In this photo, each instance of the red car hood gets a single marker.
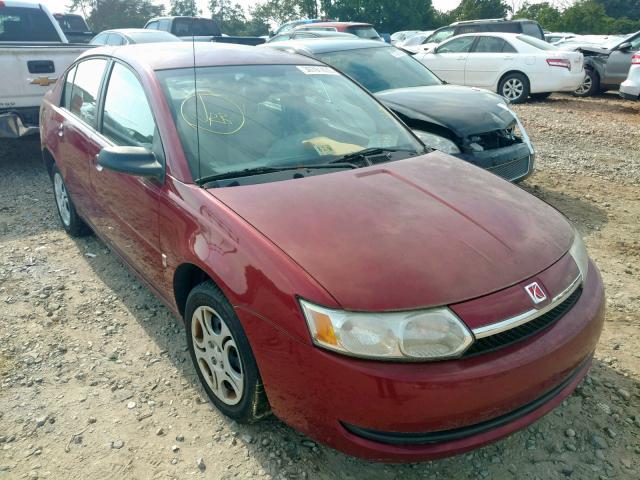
(425, 231)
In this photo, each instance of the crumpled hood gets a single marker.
(463, 110)
(425, 231)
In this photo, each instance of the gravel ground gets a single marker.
(95, 380)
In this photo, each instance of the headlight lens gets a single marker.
(437, 142)
(431, 334)
(579, 253)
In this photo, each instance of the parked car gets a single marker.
(630, 88)
(523, 26)
(392, 303)
(75, 27)
(299, 34)
(554, 37)
(412, 44)
(35, 51)
(514, 65)
(607, 67)
(488, 134)
(128, 36)
(403, 35)
(362, 30)
(286, 27)
(198, 29)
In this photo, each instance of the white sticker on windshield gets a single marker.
(398, 53)
(316, 70)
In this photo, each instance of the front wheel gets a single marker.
(222, 356)
(514, 87)
(589, 85)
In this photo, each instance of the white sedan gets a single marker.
(514, 65)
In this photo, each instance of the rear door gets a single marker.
(449, 60)
(128, 216)
(487, 60)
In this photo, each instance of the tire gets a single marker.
(590, 85)
(514, 87)
(541, 96)
(71, 221)
(222, 356)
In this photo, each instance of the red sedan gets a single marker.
(393, 303)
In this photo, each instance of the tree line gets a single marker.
(582, 17)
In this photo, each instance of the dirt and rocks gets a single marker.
(95, 379)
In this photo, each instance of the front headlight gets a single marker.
(432, 334)
(437, 142)
(579, 253)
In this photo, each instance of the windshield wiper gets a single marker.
(248, 172)
(368, 152)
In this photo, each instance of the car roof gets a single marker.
(511, 36)
(169, 55)
(130, 30)
(315, 46)
(339, 24)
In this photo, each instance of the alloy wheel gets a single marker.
(513, 89)
(585, 86)
(62, 199)
(217, 355)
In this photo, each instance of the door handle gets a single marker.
(61, 130)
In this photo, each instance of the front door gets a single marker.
(449, 60)
(129, 204)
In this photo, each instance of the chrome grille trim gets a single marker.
(509, 323)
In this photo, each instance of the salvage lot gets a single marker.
(95, 379)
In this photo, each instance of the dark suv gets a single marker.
(526, 27)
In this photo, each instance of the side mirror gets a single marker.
(130, 160)
(624, 46)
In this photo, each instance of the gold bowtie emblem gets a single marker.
(43, 81)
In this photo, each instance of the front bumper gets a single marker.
(513, 163)
(19, 122)
(333, 398)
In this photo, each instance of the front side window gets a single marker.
(127, 119)
(381, 68)
(255, 116)
(84, 93)
(457, 45)
(440, 35)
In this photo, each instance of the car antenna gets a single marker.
(195, 89)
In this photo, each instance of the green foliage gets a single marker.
(183, 8)
(107, 14)
(385, 15)
(478, 9)
(583, 17)
(233, 21)
(621, 8)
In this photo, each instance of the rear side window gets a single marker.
(127, 118)
(471, 29)
(84, 93)
(19, 24)
(100, 39)
(505, 27)
(457, 45)
(68, 86)
(492, 45)
(532, 29)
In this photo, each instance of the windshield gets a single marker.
(199, 27)
(363, 32)
(254, 116)
(534, 42)
(72, 23)
(381, 68)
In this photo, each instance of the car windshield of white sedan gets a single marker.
(235, 118)
(381, 68)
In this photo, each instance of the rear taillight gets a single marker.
(559, 62)
(635, 60)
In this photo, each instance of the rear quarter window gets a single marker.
(532, 29)
(26, 25)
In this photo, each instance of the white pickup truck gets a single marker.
(33, 53)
